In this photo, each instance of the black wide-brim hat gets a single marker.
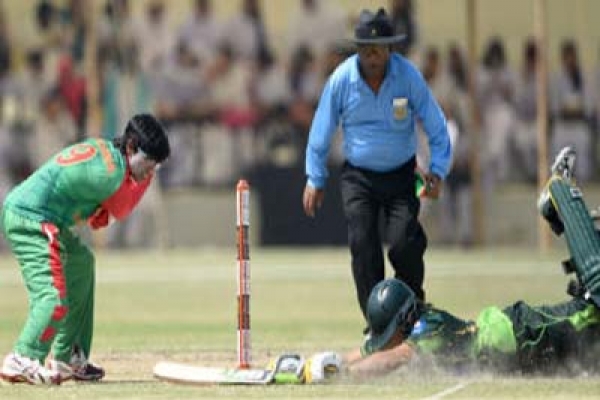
(375, 29)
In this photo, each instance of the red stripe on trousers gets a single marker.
(59, 313)
(56, 267)
(58, 278)
(48, 334)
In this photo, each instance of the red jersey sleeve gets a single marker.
(127, 196)
(99, 219)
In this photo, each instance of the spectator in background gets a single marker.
(184, 100)
(124, 90)
(70, 55)
(495, 95)
(570, 110)
(5, 52)
(74, 29)
(201, 31)
(231, 87)
(403, 20)
(72, 87)
(17, 161)
(116, 38)
(54, 129)
(33, 83)
(245, 32)
(48, 38)
(318, 26)
(14, 145)
(525, 129)
(46, 21)
(154, 40)
(456, 201)
(457, 68)
(444, 91)
(6, 177)
(184, 93)
(306, 83)
(270, 91)
(595, 105)
(277, 142)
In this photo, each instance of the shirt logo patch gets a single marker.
(419, 328)
(400, 106)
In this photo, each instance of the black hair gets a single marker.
(568, 48)
(495, 56)
(147, 134)
(44, 13)
(530, 50)
(457, 66)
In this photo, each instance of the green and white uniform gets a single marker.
(57, 268)
(520, 336)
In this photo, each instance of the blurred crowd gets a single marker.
(233, 103)
(507, 100)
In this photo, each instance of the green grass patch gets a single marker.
(181, 306)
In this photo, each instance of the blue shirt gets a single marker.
(379, 129)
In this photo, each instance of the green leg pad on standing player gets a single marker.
(580, 232)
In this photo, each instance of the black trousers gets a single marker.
(366, 195)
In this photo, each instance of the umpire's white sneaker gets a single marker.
(21, 369)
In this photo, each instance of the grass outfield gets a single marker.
(180, 306)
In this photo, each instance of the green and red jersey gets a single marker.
(76, 184)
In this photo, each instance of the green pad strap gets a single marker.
(585, 318)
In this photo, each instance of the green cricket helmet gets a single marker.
(392, 305)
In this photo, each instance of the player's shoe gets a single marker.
(21, 369)
(63, 369)
(564, 163)
(83, 369)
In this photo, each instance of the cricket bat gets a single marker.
(195, 375)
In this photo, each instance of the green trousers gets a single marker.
(58, 271)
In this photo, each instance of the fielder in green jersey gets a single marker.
(90, 182)
(543, 339)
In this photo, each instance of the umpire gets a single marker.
(377, 96)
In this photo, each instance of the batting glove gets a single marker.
(289, 369)
(322, 366)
